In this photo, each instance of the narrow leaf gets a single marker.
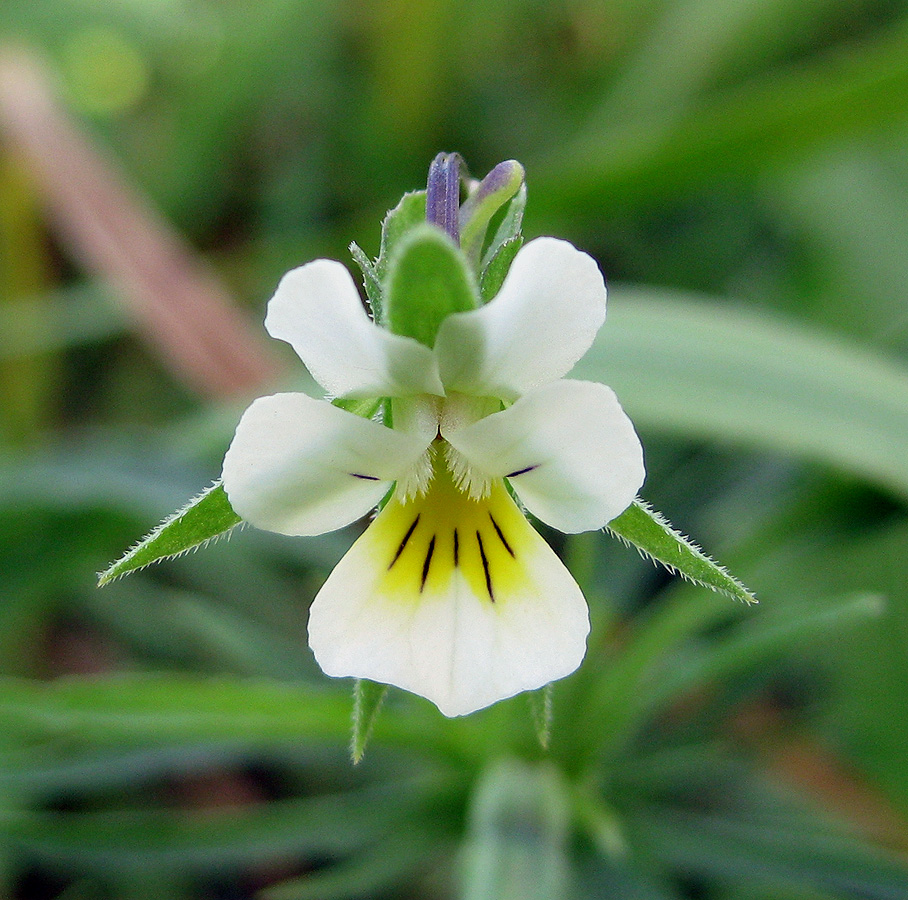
(652, 535)
(203, 519)
(367, 700)
(56, 320)
(774, 853)
(755, 642)
(712, 370)
(735, 134)
(362, 874)
(157, 710)
(366, 407)
(166, 840)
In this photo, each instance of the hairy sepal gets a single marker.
(368, 697)
(203, 519)
(651, 533)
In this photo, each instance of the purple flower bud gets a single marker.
(443, 194)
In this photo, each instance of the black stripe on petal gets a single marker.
(426, 564)
(403, 543)
(502, 538)
(485, 567)
(521, 471)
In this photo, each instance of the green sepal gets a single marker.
(371, 281)
(428, 279)
(367, 700)
(203, 519)
(366, 407)
(651, 533)
(485, 200)
(509, 226)
(541, 710)
(494, 274)
(409, 212)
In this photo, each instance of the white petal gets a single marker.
(303, 466)
(569, 450)
(318, 311)
(459, 601)
(541, 322)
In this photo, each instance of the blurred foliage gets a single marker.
(740, 169)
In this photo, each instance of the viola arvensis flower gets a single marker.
(449, 593)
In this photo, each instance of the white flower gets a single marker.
(450, 593)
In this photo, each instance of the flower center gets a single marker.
(422, 542)
(441, 460)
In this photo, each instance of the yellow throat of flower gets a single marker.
(423, 543)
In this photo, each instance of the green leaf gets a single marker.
(367, 700)
(166, 709)
(203, 519)
(496, 271)
(517, 836)
(755, 641)
(651, 533)
(774, 852)
(428, 279)
(709, 370)
(206, 841)
(365, 874)
(607, 704)
(733, 135)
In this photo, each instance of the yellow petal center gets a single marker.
(421, 543)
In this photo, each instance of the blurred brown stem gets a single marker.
(179, 305)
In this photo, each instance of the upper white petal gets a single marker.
(302, 466)
(569, 450)
(318, 311)
(542, 321)
(443, 637)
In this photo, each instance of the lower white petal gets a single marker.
(302, 466)
(568, 449)
(457, 600)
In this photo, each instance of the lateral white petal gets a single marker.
(453, 616)
(302, 466)
(318, 311)
(542, 321)
(568, 449)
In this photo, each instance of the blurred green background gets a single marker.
(740, 170)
